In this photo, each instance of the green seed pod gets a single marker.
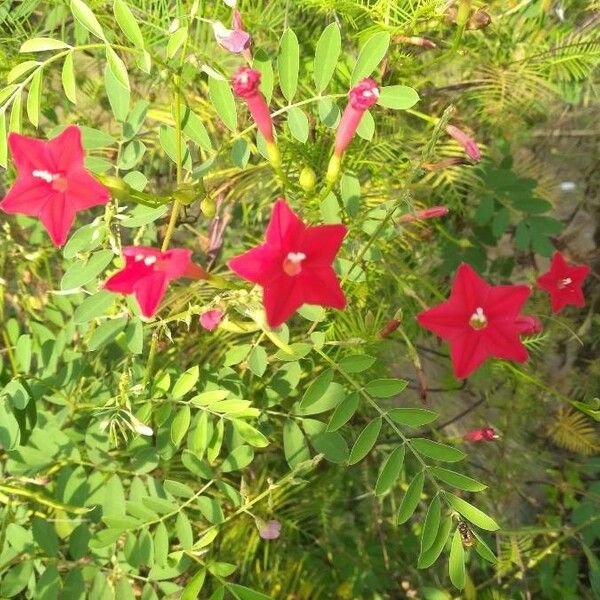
(208, 207)
(307, 179)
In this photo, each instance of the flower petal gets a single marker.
(27, 196)
(66, 150)
(322, 243)
(259, 265)
(285, 228)
(321, 286)
(505, 301)
(469, 289)
(30, 154)
(149, 291)
(176, 262)
(504, 342)
(57, 216)
(125, 280)
(282, 298)
(468, 352)
(447, 320)
(85, 191)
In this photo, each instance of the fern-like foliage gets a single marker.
(574, 432)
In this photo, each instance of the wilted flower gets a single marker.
(429, 213)
(479, 435)
(52, 183)
(479, 321)
(466, 141)
(563, 282)
(211, 318)
(269, 530)
(294, 265)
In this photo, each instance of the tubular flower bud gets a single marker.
(307, 179)
(245, 85)
(466, 141)
(486, 434)
(429, 213)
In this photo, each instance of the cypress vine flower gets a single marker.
(563, 282)
(52, 183)
(294, 265)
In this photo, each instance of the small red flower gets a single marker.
(210, 319)
(479, 435)
(245, 85)
(563, 282)
(479, 321)
(52, 183)
(293, 265)
(148, 271)
(361, 98)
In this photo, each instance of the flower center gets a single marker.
(563, 283)
(478, 320)
(292, 265)
(147, 260)
(58, 182)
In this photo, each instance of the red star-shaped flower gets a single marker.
(479, 321)
(293, 265)
(563, 282)
(52, 183)
(147, 273)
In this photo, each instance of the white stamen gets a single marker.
(296, 257)
(45, 175)
(243, 78)
(149, 260)
(478, 319)
(138, 257)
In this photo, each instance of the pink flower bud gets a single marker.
(479, 435)
(210, 319)
(466, 141)
(269, 530)
(429, 213)
(362, 97)
(528, 325)
(245, 85)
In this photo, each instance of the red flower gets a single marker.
(479, 321)
(293, 265)
(479, 435)
(52, 183)
(148, 271)
(563, 282)
(245, 85)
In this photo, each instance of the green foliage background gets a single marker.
(320, 424)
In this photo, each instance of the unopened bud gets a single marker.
(117, 187)
(208, 207)
(307, 179)
(333, 170)
(273, 154)
(185, 195)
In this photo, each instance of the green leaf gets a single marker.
(250, 434)
(295, 447)
(195, 130)
(194, 586)
(500, 222)
(128, 23)
(484, 550)
(365, 441)
(329, 443)
(436, 450)
(3, 142)
(262, 63)
(431, 524)
(118, 95)
(244, 593)
(16, 578)
(185, 382)
(211, 510)
(330, 399)
(222, 99)
(298, 123)
(236, 355)
(131, 154)
(82, 12)
(161, 545)
(471, 513)
(176, 41)
(344, 412)
(49, 584)
(258, 361)
(106, 333)
(167, 137)
(288, 64)
(370, 56)
(357, 363)
(457, 480)
(390, 470)
(385, 388)
(180, 424)
(135, 119)
(317, 388)
(21, 69)
(456, 562)
(183, 529)
(327, 54)
(427, 558)
(82, 273)
(23, 353)
(411, 499)
(329, 112)
(45, 536)
(350, 191)
(366, 127)
(94, 306)
(15, 121)
(413, 417)
(118, 68)
(42, 45)
(399, 97)
(239, 458)
(68, 79)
